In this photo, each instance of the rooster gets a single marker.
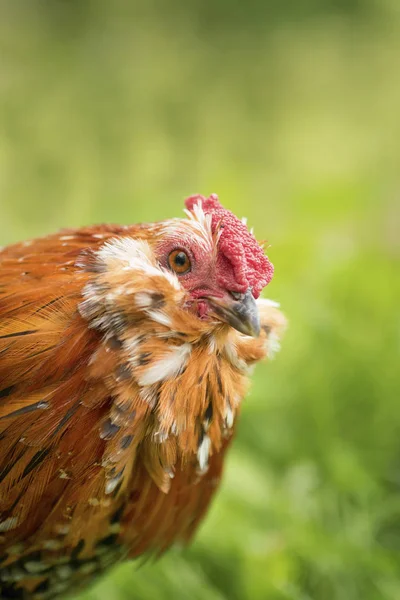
(124, 357)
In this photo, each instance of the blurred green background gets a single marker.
(117, 110)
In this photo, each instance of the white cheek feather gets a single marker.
(160, 317)
(148, 269)
(126, 250)
(143, 299)
(136, 255)
(171, 278)
(169, 366)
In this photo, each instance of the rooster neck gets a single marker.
(176, 381)
(173, 400)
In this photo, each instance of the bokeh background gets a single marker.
(117, 110)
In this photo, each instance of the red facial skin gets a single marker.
(202, 279)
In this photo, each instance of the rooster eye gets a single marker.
(179, 262)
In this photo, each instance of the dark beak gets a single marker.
(240, 311)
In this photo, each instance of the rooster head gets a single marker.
(208, 266)
(218, 261)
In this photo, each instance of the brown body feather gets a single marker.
(101, 457)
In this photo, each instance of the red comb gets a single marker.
(250, 265)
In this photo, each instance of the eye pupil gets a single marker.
(180, 259)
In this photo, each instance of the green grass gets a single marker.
(290, 111)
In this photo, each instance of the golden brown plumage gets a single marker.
(120, 385)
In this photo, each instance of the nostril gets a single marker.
(237, 295)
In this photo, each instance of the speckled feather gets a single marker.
(117, 404)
